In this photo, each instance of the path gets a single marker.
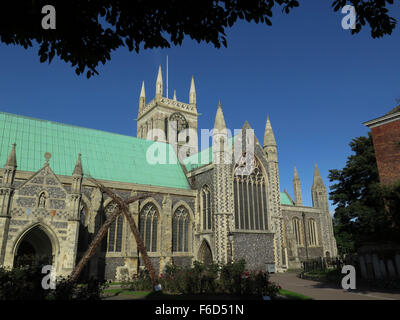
(322, 291)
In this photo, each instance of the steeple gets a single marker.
(159, 84)
(318, 191)
(219, 123)
(142, 99)
(269, 138)
(317, 182)
(174, 95)
(12, 158)
(192, 92)
(78, 167)
(297, 188)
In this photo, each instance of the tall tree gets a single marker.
(87, 31)
(360, 215)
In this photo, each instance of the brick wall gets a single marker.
(386, 140)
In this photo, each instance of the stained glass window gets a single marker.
(148, 226)
(249, 193)
(180, 230)
(114, 236)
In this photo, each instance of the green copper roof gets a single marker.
(285, 199)
(105, 155)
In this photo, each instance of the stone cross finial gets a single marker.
(47, 156)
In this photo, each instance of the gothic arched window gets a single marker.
(180, 230)
(114, 236)
(148, 226)
(312, 229)
(297, 230)
(249, 195)
(206, 207)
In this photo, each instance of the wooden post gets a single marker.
(99, 237)
(125, 210)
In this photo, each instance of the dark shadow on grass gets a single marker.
(166, 296)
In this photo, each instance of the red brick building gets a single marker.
(386, 137)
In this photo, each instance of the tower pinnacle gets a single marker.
(78, 167)
(142, 98)
(317, 182)
(297, 188)
(12, 158)
(192, 92)
(219, 119)
(269, 138)
(159, 84)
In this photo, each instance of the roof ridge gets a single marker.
(74, 126)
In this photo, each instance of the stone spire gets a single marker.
(12, 158)
(9, 169)
(77, 177)
(269, 138)
(317, 182)
(78, 171)
(142, 99)
(159, 84)
(318, 191)
(174, 95)
(219, 119)
(192, 92)
(297, 188)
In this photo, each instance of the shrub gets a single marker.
(25, 283)
(232, 278)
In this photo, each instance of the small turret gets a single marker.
(270, 148)
(319, 194)
(220, 136)
(297, 188)
(77, 176)
(142, 99)
(159, 84)
(192, 92)
(10, 167)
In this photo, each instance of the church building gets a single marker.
(202, 208)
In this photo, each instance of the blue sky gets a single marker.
(316, 81)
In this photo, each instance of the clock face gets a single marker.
(178, 122)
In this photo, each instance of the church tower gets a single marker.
(271, 154)
(223, 190)
(168, 120)
(320, 200)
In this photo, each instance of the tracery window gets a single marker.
(312, 228)
(249, 195)
(148, 226)
(206, 207)
(114, 236)
(297, 230)
(180, 230)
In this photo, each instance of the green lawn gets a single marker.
(125, 291)
(162, 295)
(294, 295)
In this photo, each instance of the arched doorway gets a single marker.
(34, 249)
(205, 254)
